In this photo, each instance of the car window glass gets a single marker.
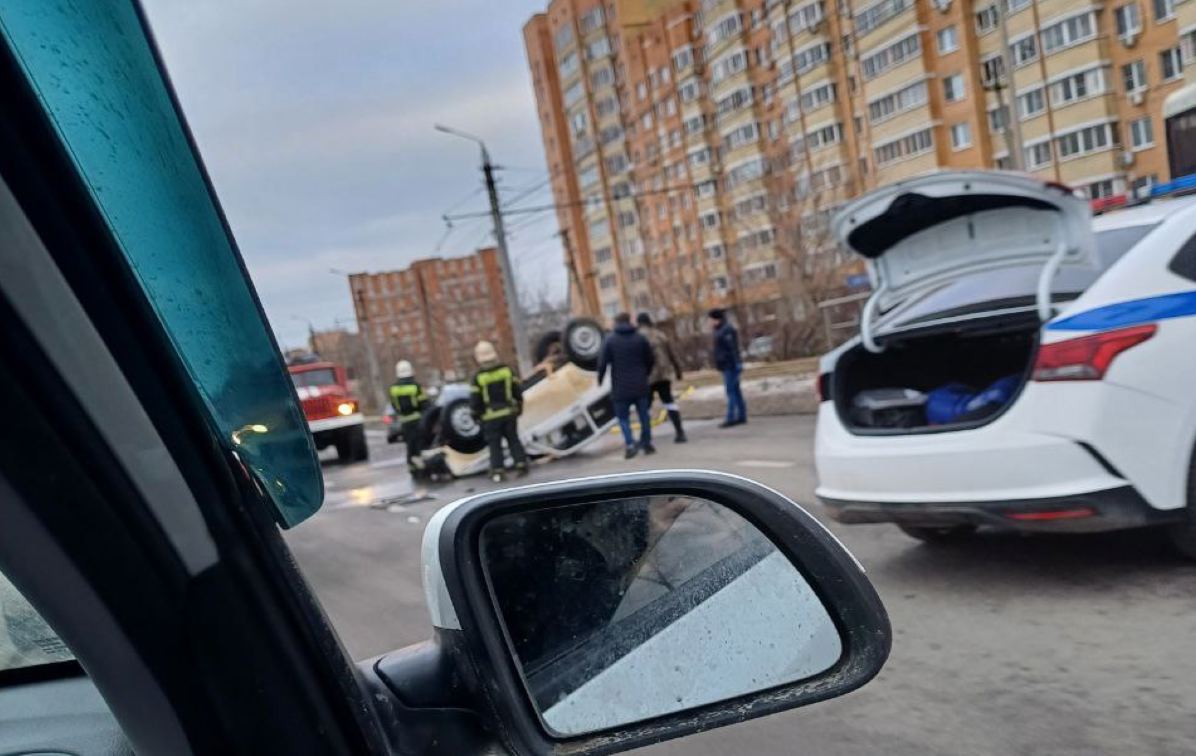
(322, 377)
(25, 638)
(134, 154)
(1111, 244)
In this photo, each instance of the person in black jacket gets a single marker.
(629, 356)
(728, 362)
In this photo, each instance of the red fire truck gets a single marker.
(332, 411)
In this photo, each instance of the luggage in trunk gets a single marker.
(967, 377)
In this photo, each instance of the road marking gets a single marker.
(775, 464)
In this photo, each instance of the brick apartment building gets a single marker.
(698, 147)
(434, 313)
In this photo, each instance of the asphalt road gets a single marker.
(1003, 645)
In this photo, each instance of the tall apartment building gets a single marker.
(434, 313)
(698, 147)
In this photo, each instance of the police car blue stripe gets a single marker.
(1134, 312)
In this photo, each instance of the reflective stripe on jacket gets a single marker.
(495, 393)
(408, 398)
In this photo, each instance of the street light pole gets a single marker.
(514, 309)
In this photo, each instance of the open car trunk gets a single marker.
(948, 379)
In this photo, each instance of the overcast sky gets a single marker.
(315, 121)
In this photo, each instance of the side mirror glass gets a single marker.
(623, 610)
(608, 613)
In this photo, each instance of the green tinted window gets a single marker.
(92, 66)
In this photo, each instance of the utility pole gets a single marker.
(514, 309)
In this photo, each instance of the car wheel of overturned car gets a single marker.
(1183, 533)
(939, 534)
(459, 429)
(583, 342)
(545, 345)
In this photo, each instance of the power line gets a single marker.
(580, 203)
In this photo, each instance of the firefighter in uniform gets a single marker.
(497, 401)
(409, 401)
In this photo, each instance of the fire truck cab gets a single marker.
(333, 412)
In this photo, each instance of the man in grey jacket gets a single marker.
(660, 380)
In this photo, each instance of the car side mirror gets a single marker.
(604, 614)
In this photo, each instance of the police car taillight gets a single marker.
(1087, 358)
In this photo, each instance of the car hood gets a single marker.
(927, 233)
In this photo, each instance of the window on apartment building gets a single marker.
(878, 62)
(1101, 189)
(724, 28)
(714, 252)
(992, 71)
(705, 189)
(709, 219)
(719, 283)
(728, 65)
(987, 19)
(906, 146)
(683, 58)
(1037, 155)
(670, 107)
(752, 169)
(568, 65)
(1086, 140)
(900, 101)
(947, 40)
(1141, 185)
(1128, 19)
(641, 91)
(1133, 75)
(637, 274)
(1003, 163)
(877, 13)
(573, 93)
(826, 135)
(961, 135)
(579, 122)
(588, 176)
(1163, 9)
(745, 134)
(699, 157)
(690, 90)
(1031, 103)
(1024, 50)
(605, 106)
(610, 134)
(646, 121)
(591, 19)
(1078, 86)
(811, 56)
(626, 218)
(1171, 64)
(1141, 133)
(562, 37)
(953, 87)
(805, 16)
(602, 254)
(737, 100)
(599, 229)
(616, 164)
(663, 75)
(1013, 6)
(695, 124)
(1068, 32)
(602, 77)
(774, 129)
(608, 281)
(599, 48)
(998, 118)
(815, 98)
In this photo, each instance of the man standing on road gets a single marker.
(660, 379)
(629, 356)
(728, 362)
(409, 401)
(497, 401)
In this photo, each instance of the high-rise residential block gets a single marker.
(698, 147)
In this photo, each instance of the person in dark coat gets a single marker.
(728, 362)
(629, 357)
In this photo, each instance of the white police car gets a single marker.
(1085, 329)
